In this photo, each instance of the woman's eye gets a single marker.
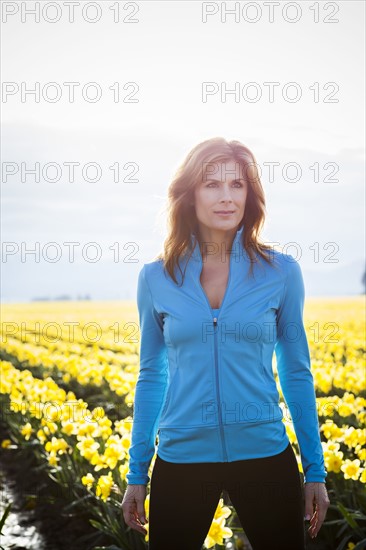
(235, 183)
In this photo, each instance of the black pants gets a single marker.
(267, 494)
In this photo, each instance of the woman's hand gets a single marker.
(133, 507)
(315, 495)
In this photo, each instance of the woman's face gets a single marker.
(221, 195)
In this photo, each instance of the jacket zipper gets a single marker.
(215, 319)
(218, 392)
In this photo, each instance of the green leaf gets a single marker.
(77, 501)
(347, 515)
(334, 522)
(96, 524)
(5, 515)
(360, 545)
(104, 528)
(342, 544)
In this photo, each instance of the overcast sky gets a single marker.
(161, 70)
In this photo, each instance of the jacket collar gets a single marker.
(237, 248)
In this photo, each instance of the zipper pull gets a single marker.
(215, 321)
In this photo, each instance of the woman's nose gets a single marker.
(225, 193)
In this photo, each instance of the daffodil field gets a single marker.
(68, 373)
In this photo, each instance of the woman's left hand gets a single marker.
(315, 496)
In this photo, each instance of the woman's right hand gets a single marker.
(133, 507)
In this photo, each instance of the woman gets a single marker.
(213, 308)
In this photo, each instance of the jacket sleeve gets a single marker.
(150, 388)
(295, 376)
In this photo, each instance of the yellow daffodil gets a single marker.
(217, 533)
(88, 480)
(104, 485)
(351, 469)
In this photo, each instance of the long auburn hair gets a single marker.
(181, 216)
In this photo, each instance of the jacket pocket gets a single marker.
(169, 392)
(269, 322)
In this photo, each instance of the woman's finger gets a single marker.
(133, 508)
(321, 509)
(316, 494)
(138, 527)
(131, 519)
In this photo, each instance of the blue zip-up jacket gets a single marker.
(206, 385)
